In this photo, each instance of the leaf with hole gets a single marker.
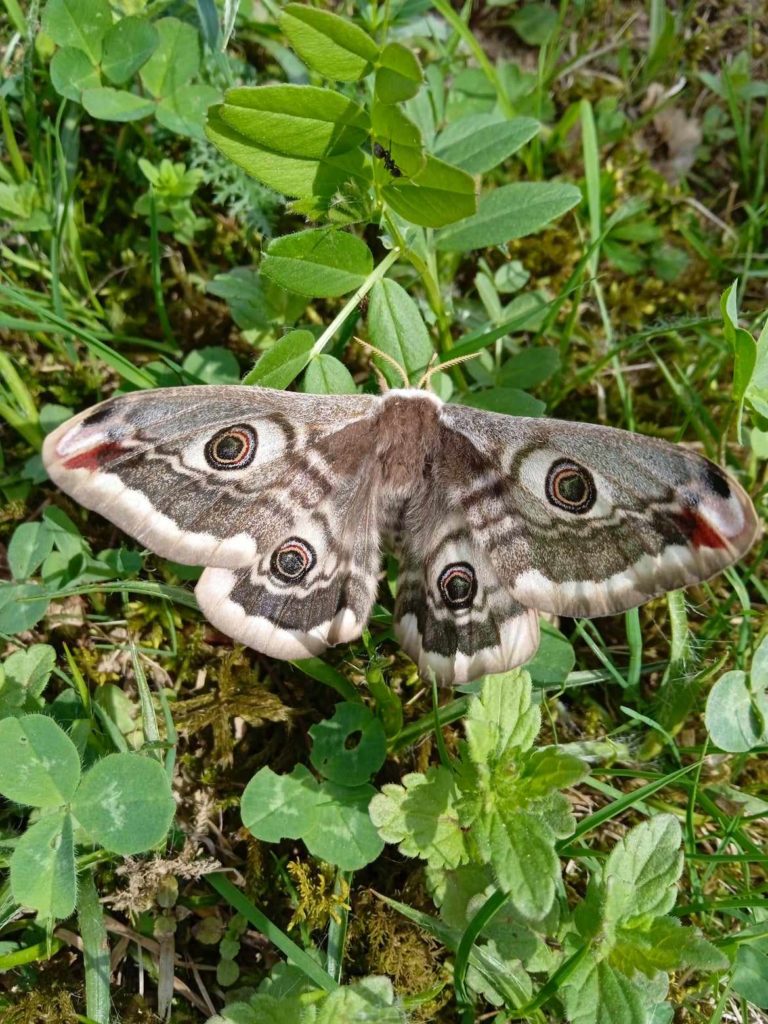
(349, 747)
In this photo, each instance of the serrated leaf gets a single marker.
(479, 143)
(396, 327)
(664, 945)
(641, 873)
(421, 816)
(369, 1001)
(319, 263)
(502, 718)
(520, 851)
(438, 195)
(29, 546)
(71, 71)
(125, 803)
(737, 714)
(398, 75)
(43, 867)
(24, 674)
(282, 363)
(78, 23)
(128, 45)
(328, 43)
(550, 769)
(349, 747)
(508, 212)
(39, 763)
(297, 120)
(597, 993)
(327, 376)
(175, 60)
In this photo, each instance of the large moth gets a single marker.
(288, 499)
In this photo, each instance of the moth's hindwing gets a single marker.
(452, 615)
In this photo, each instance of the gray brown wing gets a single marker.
(452, 615)
(584, 520)
(262, 486)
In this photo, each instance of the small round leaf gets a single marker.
(737, 717)
(125, 803)
(39, 763)
(350, 747)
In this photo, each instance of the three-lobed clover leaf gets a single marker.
(123, 802)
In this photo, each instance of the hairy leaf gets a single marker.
(421, 816)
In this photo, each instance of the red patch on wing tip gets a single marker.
(706, 536)
(94, 458)
(700, 533)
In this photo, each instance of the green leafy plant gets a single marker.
(123, 803)
(92, 49)
(490, 831)
(331, 816)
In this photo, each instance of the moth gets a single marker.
(287, 499)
